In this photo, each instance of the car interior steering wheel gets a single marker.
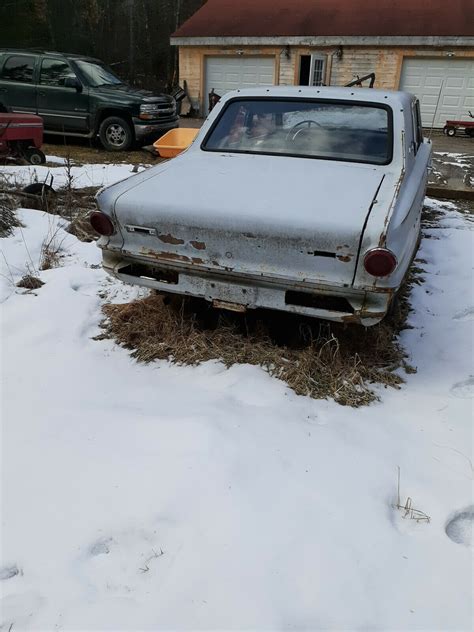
(294, 131)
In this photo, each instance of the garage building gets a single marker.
(422, 46)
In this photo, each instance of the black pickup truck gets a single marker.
(81, 96)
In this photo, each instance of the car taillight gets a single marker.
(102, 223)
(380, 262)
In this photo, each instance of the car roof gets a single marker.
(47, 53)
(388, 97)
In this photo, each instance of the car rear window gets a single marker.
(330, 130)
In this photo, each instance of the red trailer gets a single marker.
(21, 136)
(452, 126)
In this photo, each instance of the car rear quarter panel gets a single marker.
(395, 220)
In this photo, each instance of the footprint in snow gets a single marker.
(459, 527)
(464, 389)
(119, 564)
(465, 314)
(7, 572)
(101, 547)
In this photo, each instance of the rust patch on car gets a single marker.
(382, 240)
(344, 258)
(170, 239)
(197, 260)
(382, 290)
(351, 318)
(170, 256)
(233, 307)
(359, 316)
(199, 245)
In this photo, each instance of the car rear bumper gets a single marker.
(239, 293)
(152, 131)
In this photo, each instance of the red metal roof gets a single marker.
(356, 18)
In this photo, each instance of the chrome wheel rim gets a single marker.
(115, 135)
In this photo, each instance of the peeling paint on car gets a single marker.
(199, 245)
(170, 239)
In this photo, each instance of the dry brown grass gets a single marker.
(319, 359)
(83, 152)
(51, 255)
(30, 282)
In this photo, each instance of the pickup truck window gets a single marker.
(98, 74)
(19, 68)
(330, 130)
(54, 72)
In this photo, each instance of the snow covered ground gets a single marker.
(175, 498)
(94, 175)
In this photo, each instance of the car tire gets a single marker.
(115, 134)
(451, 131)
(34, 156)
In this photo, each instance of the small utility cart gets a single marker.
(451, 127)
(21, 136)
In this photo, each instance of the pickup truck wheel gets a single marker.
(115, 134)
(451, 131)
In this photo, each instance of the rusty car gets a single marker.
(302, 199)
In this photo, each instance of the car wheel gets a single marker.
(115, 134)
(451, 131)
(34, 156)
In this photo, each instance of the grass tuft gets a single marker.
(30, 282)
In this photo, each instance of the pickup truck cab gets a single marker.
(306, 200)
(81, 96)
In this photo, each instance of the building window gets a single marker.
(312, 69)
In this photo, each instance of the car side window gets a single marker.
(419, 126)
(18, 68)
(415, 142)
(54, 72)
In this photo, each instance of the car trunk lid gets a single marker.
(271, 216)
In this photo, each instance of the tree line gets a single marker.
(132, 36)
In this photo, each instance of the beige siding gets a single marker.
(287, 70)
(359, 61)
(190, 70)
(385, 62)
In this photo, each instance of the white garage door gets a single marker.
(453, 77)
(229, 73)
